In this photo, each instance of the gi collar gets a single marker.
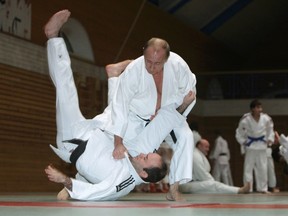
(138, 179)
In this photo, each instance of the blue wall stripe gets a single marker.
(225, 16)
(178, 6)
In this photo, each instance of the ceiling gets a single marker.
(245, 26)
(257, 30)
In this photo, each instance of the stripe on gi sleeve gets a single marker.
(125, 183)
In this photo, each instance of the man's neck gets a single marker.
(256, 117)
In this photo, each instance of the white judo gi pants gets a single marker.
(221, 173)
(256, 160)
(67, 105)
(70, 121)
(181, 165)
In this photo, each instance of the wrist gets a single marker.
(117, 140)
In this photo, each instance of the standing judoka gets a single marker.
(157, 78)
(95, 181)
(221, 156)
(203, 182)
(255, 133)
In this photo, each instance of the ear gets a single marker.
(143, 174)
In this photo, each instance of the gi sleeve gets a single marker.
(126, 89)
(187, 82)
(241, 135)
(107, 189)
(270, 130)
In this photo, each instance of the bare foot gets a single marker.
(63, 195)
(245, 189)
(55, 23)
(114, 70)
(173, 194)
(275, 190)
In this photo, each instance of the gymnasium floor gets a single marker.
(148, 204)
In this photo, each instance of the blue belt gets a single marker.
(255, 139)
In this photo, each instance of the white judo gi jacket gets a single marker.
(136, 95)
(201, 167)
(249, 132)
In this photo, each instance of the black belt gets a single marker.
(78, 151)
(172, 133)
(174, 138)
(222, 154)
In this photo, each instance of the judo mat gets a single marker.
(147, 204)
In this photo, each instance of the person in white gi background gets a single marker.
(255, 132)
(157, 78)
(203, 182)
(100, 177)
(283, 149)
(220, 155)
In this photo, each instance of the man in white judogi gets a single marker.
(203, 182)
(100, 177)
(221, 156)
(157, 78)
(255, 133)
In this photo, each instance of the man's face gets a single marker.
(257, 110)
(154, 60)
(146, 161)
(204, 146)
